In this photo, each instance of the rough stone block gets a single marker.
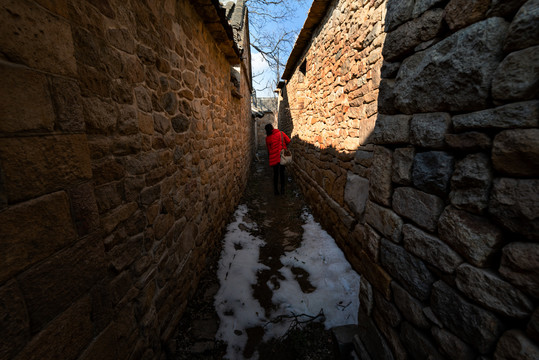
(419, 346)
(356, 193)
(471, 182)
(121, 39)
(161, 123)
(115, 217)
(366, 299)
(30, 41)
(65, 337)
(492, 292)
(21, 87)
(410, 308)
(67, 100)
(524, 29)
(14, 323)
(515, 343)
(473, 237)
(384, 220)
(510, 116)
(144, 100)
(430, 249)
(431, 80)
(477, 327)
(391, 129)
(422, 208)
(387, 311)
(52, 286)
(469, 142)
(407, 36)
(403, 159)
(504, 8)
(514, 203)
(101, 116)
(380, 186)
(451, 346)
(532, 330)
(84, 206)
(372, 339)
(432, 171)
(420, 6)
(516, 152)
(517, 76)
(398, 12)
(461, 13)
(407, 269)
(520, 266)
(428, 130)
(32, 231)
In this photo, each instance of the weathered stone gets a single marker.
(524, 29)
(430, 249)
(407, 269)
(33, 166)
(30, 28)
(428, 130)
(510, 116)
(67, 100)
(84, 207)
(403, 159)
(515, 345)
(431, 80)
(461, 13)
(100, 116)
(532, 330)
(505, 8)
(419, 346)
(380, 177)
(169, 102)
(514, 203)
(53, 285)
(389, 69)
(411, 308)
(121, 39)
(398, 12)
(14, 323)
(386, 97)
(118, 215)
(407, 36)
(161, 123)
(391, 335)
(517, 76)
(451, 346)
(422, 208)
(384, 220)
(473, 237)
(20, 87)
(370, 242)
(366, 299)
(516, 152)
(144, 100)
(391, 129)
(388, 312)
(471, 182)
(356, 193)
(371, 338)
(421, 6)
(492, 292)
(55, 342)
(520, 266)
(472, 141)
(180, 123)
(432, 171)
(476, 326)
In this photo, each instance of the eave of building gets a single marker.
(214, 17)
(316, 15)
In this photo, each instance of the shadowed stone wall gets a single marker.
(415, 139)
(124, 147)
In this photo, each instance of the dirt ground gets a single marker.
(280, 225)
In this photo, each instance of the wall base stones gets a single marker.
(425, 113)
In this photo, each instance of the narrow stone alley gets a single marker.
(280, 223)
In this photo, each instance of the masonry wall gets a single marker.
(123, 150)
(415, 139)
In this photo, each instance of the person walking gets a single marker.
(275, 145)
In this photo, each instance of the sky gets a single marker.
(336, 283)
(294, 21)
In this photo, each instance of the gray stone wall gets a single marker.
(124, 147)
(416, 139)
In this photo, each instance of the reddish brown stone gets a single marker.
(32, 231)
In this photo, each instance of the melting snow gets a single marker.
(337, 284)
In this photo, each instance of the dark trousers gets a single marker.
(278, 171)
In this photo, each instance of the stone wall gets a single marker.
(124, 147)
(415, 139)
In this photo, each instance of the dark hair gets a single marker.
(269, 129)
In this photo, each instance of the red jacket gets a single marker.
(273, 143)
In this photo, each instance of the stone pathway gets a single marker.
(280, 224)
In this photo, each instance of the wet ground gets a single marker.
(280, 225)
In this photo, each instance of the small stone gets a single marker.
(384, 220)
(514, 343)
(520, 266)
(356, 193)
(391, 129)
(516, 152)
(516, 115)
(101, 116)
(517, 76)
(471, 182)
(428, 130)
(169, 102)
(380, 186)
(161, 123)
(432, 171)
(473, 237)
(422, 208)
(144, 101)
(403, 159)
(524, 29)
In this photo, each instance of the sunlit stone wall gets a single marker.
(415, 131)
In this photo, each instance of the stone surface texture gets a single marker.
(123, 152)
(434, 102)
